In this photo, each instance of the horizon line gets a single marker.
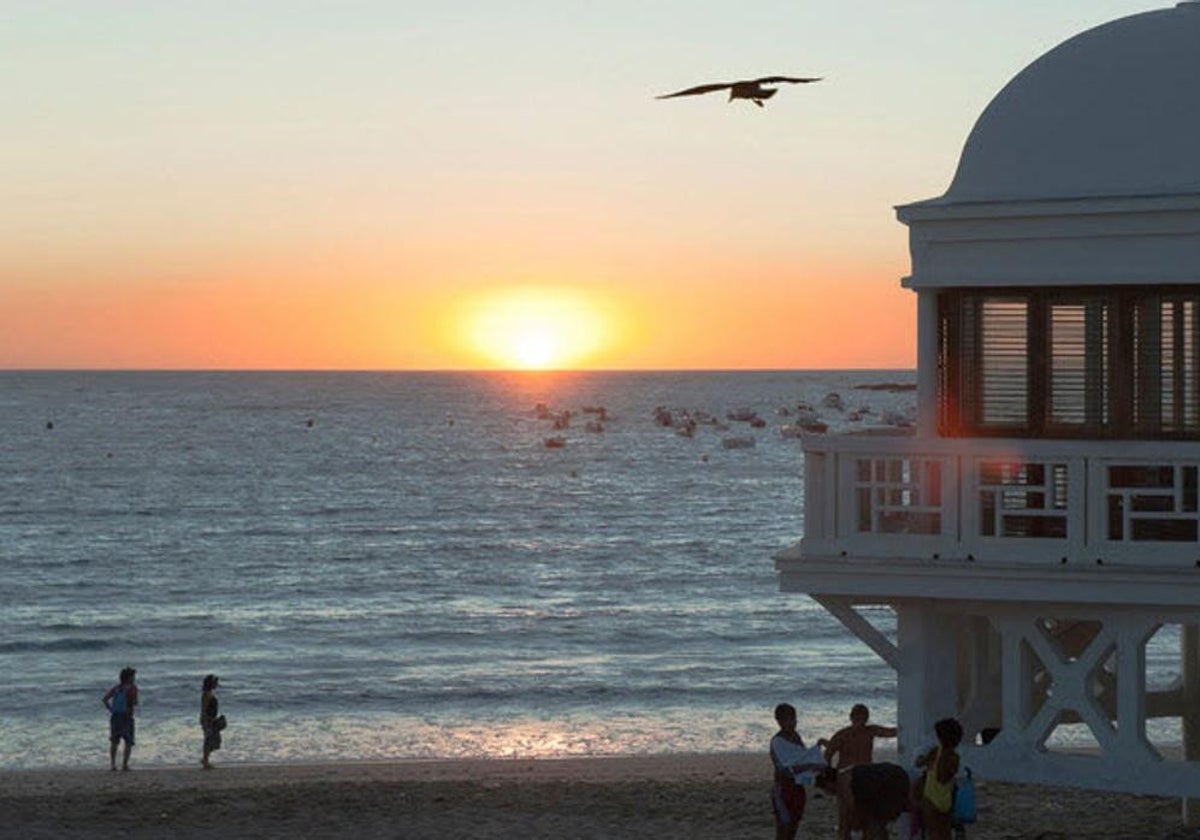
(531, 371)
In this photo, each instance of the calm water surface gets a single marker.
(395, 565)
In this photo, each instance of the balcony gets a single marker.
(923, 515)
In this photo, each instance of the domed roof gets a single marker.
(1114, 111)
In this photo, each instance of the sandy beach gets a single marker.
(694, 796)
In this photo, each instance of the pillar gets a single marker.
(1190, 654)
(926, 682)
(927, 362)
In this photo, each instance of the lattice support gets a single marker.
(1099, 680)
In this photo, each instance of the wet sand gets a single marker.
(684, 796)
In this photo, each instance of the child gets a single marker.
(120, 701)
(855, 744)
(792, 760)
(937, 788)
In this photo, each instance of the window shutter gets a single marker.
(1078, 363)
(1004, 362)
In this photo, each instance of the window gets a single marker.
(1078, 345)
(1089, 362)
(1003, 363)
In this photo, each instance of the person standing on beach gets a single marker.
(120, 701)
(855, 744)
(209, 715)
(852, 746)
(937, 785)
(790, 759)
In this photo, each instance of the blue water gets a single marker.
(387, 565)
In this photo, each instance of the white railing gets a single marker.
(1003, 500)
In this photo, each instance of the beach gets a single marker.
(663, 796)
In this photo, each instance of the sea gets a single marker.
(398, 566)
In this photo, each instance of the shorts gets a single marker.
(788, 803)
(120, 727)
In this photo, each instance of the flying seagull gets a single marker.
(751, 89)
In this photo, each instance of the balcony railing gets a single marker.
(1003, 500)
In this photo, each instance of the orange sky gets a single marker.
(368, 185)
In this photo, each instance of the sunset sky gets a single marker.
(402, 185)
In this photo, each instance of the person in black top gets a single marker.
(209, 711)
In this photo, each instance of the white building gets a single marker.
(1043, 524)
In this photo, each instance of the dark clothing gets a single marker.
(208, 722)
(120, 727)
(787, 801)
(880, 790)
(212, 739)
(121, 700)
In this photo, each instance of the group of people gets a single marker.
(869, 795)
(122, 699)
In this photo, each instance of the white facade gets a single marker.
(1044, 522)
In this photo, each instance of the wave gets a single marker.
(72, 644)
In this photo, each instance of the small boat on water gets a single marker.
(739, 442)
(834, 400)
(798, 430)
(555, 442)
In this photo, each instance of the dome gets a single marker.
(1114, 111)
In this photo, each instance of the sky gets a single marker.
(478, 185)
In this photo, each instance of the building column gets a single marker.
(926, 684)
(979, 678)
(927, 362)
(1190, 654)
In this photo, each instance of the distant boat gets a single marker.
(834, 400)
(797, 430)
(739, 442)
(555, 442)
(897, 418)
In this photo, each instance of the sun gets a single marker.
(534, 328)
(535, 350)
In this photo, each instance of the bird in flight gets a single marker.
(751, 89)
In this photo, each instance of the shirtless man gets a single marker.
(855, 744)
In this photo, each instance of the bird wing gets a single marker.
(692, 91)
(776, 80)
